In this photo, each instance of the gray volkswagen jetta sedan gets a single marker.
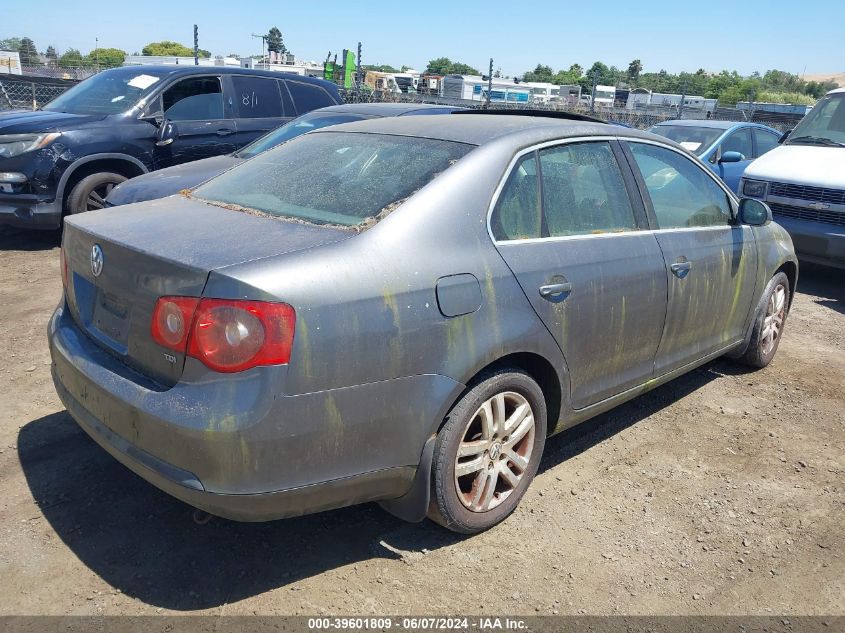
(403, 310)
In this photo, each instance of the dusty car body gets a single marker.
(421, 345)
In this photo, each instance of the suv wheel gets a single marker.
(487, 453)
(90, 192)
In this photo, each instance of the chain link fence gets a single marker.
(27, 95)
(640, 118)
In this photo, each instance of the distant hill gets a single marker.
(839, 78)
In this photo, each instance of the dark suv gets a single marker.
(120, 123)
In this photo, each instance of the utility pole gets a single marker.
(489, 82)
(97, 53)
(359, 79)
(593, 92)
(263, 40)
(196, 46)
(683, 98)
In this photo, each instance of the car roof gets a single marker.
(716, 125)
(478, 129)
(177, 70)
(385, 109)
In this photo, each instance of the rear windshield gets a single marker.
(695, 139)
(337, 178)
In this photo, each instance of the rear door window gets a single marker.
(308, 97)
(194, 99)
(256, 98)
(583, 191)
(517, 212)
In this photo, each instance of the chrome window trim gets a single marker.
(732, 198)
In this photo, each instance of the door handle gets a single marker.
(551, 290)
(225, 132)
(164, 143)
(681, 269)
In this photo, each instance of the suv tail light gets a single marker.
(225, 335)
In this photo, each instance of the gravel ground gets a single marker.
(722, 492)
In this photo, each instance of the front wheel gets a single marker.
(768, 328)
(90, 193)
(487, 453)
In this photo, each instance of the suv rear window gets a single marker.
(256, 97)
(307, 97)
(333, 177)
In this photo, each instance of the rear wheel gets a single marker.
(90, 193)
(768, 328)
(487, 453)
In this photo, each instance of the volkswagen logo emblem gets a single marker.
(96, 260)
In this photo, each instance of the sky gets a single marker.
(742, 35)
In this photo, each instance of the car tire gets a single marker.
(769, 323)
(90, 192)
(477, 439)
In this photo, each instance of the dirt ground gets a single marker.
(722, 492)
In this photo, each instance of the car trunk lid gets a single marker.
(162, 248)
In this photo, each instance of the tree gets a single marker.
(203, 53)
(168, 49)
(634, 70)
(51, 53)
(540, 73)
(445, 66)
(381, 68)
(275, 44)
(11, 44)
(72, 58)
(106, 57)
(29, 54)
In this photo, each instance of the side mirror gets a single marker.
(731, 157)
(754, 212)
(784, 136)
(167, 133)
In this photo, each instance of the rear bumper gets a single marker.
(27, 211)
(296, 455)
(816, 242)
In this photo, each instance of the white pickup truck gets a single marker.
(803, 181)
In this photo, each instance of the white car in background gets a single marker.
(803, 181)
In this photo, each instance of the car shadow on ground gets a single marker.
(826, 285)
(15, 239)
(147, 544)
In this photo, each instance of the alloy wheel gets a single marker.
(495, 451)
(773, 322)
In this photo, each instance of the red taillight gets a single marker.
(63, 265)
(226, 335)
(172, 318)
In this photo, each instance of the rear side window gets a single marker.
(308, 97)
(334, 177)
(682, 194)
(766, 141)
(517, 212)
(256, 98)
(195, 99)
(583, 191)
